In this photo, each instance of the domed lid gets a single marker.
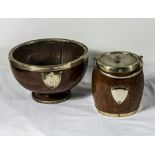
(119, 62)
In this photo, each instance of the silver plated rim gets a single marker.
(48, 68)
(116, 115)
(121, 77)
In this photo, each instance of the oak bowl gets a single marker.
(49, 68)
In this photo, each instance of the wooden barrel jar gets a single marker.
(117, 83)
(49, 68)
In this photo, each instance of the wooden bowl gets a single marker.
(49, 68)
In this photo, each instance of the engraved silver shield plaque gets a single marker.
(119, 93)
(52, 80)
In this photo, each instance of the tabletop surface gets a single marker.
(20, 115)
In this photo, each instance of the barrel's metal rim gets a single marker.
(116, 115)
(129, 68)
(48, 68)
(121, 77)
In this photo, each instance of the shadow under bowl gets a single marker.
(49, 68)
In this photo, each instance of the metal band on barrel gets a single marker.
(116, 115)
(120, 77)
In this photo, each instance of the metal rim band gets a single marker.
(119, 77)
(48, 68)
(116, 115)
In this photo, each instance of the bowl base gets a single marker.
(51, 98)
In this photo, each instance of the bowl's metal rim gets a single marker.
(48, 68)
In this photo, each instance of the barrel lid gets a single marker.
(119, 62)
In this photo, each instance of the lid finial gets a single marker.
(116, 59)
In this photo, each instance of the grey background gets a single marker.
(136, 35)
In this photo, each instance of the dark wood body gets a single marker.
(104, 101)
(32, 80)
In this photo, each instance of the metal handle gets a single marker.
(141, 57)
